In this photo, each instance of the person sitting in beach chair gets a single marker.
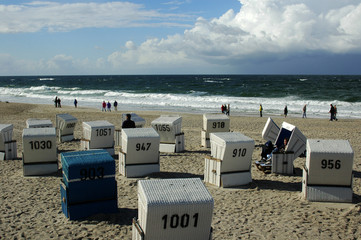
(282, 147)
(128, 123)
(268, 149)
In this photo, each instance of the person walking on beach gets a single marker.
(128, 123)
(56, 101)
(304, 111)
(104, 107)
(260, 110)
(75, 103)
(285, 111)
(109, 106)
(332, 112)
(335, 116)
(59, 103)
(228, 110)
(115, 104)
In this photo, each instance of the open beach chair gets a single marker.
(282, 162)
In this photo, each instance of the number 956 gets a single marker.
(330, 164)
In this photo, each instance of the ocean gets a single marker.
(194, 93)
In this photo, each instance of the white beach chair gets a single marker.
(65, 124)
(327, 174)
(173, 209)
(140, 152)
(230, 161)
(283, 162)
(169, 128)
(8, 147)
(213, 122)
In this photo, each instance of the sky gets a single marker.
(180, 37)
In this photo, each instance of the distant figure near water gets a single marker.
(115, 104)
(332, 113)
(104, 106)
(59, 103)
(224, 108)
(109, 106)
(304, 111)
(285, 111)
(260, 110)
(56, 101)
(75, 103)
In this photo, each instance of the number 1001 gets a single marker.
(183, 221)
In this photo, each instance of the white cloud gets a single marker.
(52, 16)
(263, 30)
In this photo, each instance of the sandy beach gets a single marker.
(270, 207)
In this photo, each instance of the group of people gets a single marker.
(57, 102)
(225, 109)
(333, 111)
(108, 106)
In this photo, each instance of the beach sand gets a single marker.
(270, 207)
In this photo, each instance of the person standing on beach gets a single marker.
(260, 110)
(332, 112)
(109, 105)
(335, 115)
(115, 104)
(304, 111)
(56, 101)
(285, 111)
(104, 107)
(75, 103)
